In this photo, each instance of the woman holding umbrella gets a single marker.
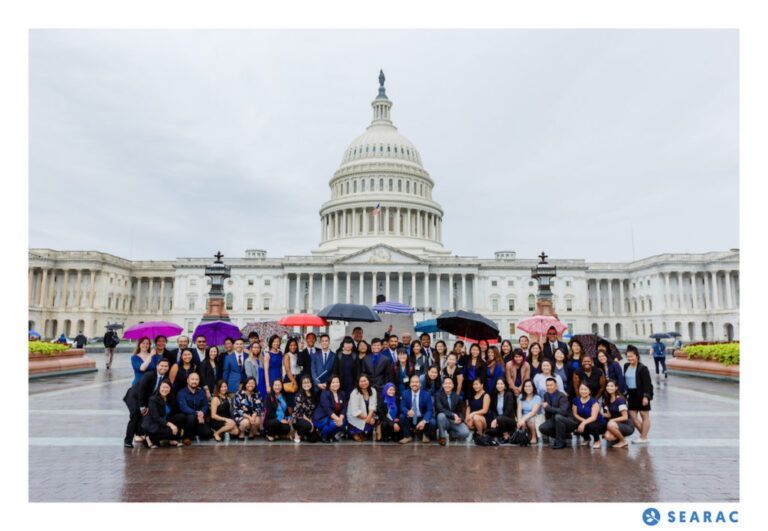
(143, 361)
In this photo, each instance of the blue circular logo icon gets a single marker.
(651, 516)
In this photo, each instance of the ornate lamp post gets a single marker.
(543, 273)
(217, 272)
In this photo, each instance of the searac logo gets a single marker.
(651, 516)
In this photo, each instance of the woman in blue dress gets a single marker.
(143, 361)
(474, 368)
(494, 368)
(586, 411)
(181, 370)
(273, 361)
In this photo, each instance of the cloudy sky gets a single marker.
(601, 145)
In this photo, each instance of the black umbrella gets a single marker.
(660, 335)
(349, 312)
(590, 342)
(115, 326)
(468, 324)
(674, 334)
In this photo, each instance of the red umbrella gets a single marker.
(302, 319)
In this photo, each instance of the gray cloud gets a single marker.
(159, 144)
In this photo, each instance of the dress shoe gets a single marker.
(425, 439)
(442, 441)
(405, 440)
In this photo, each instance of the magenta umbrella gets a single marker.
(539, 324)
(152, 329)
(215, 332)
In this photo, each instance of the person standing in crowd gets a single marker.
(406, 342)
(494, 368)
(552, 344)
(155, 423)
(517, 371)
(304, 409)
(658, 352)
(611, 369)
(440, 353)
(180, 371)
(137, 400)
(562, 369)
(586, 411)
(361, 409)
(143, 361)
(80, 340)
(229, 346)
(161, 347)
(478, 404)
(323, 363)
(111, 340)
(540, 380)
(474, 368)
(389, 419)
(419, 359)
(307, 353)
(483, 344)
(222, 420)
(616, 412)
(523, 343)
(209, 371)
(639, 393)
(431, 382)
(200, 351)
(253, 337)
(249, 410)
(502, 414)
(329, 418)
(416, 413)
(277, 420)
(377, 366)
(357, 337)
(453, 372)
(193, 408)
(233, 370)
(273, 361)
(291, 370)
(426, 348)
(506, 351)
(528, 406)
(363, 349)
(346, 366)
(448, 410)
(535, 358)
(558, 415)
(403, 372)
(458, 349)
(576, 355)
(591, 376)
(254, 368)
(174, 355)
(391, 350)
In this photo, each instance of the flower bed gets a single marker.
(725, 353)
(716, 360)
(52, 359)
(46, 349)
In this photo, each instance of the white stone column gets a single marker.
(715, 294)
(79, 289)
(426, 291)
(138, 294)
(610, 296)
(43, 288)
(322, 294)
(621, 295)
(438, 308)
(297, 296)
(694, 294)
(474, 292)
(398, 231)
(348, 295)
(400, 286)
(408, 222)
(386, 285)
(374, 281)
(65, 290)
(91, 287)
(31, 278)
(386, 221)
(667, 293)
(728, 292)
(707, 298)
(162, 294)
(335, 287)
(150, 294)
(463, 291)
(598, 283)
(360, 287)
(310, 303)
(680, 293)
(451, 305)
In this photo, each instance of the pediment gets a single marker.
(380, 254)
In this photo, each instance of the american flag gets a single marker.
(376, 211)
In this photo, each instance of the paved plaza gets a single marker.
(76, 425)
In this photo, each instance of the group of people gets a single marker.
(391, 389)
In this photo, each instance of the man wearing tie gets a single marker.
(377, 366)
(416, 415)
(137, 400)
(426, 347)
(391, 350)
(553, 344)
(322, 363)
(233, 371)
(306, 355)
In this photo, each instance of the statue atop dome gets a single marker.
(382, 90)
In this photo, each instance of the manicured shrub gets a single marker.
(41, 347)
(725, 353)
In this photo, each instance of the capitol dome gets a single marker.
(381, 193)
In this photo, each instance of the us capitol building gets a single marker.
(381, 234)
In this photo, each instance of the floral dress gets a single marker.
(245, 405)
(305, 407)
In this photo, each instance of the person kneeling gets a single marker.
(448, 409)
(277, 421)
(193, 407)
(156, 426)
(221, 412)
(329, 416)
(587, 411)
(558, 423)
(416, 413)
(361, 411)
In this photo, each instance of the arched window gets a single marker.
(362, 185)
(408, 187)
(347, 190)
(494, 304)
(354, 187)
(390, 185)
(531, 302)
(381, 185)
(230, 301)
(399, 185)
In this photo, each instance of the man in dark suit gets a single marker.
(322, 363)
(448, 410)
(200, 353)
(416, 415)
(392, 346)
(307, 353)
(377, 366)
(137, 399)
(173, 355)
(559, 421)
(552, 344)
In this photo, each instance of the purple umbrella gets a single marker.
(152, 329)
(393, 307)
(216, 332)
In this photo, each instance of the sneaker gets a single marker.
(666, 374)
(128, 444)
(337, 436)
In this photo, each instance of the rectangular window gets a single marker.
(250, 282)
(267, 282)
(190, 326)
(494, 283)
(569, 305)
(192, 282)
(495, 305)
(511, 329)
(511, 304)
(570, 328)
(249, 304)
(265, 306)
(511, 283)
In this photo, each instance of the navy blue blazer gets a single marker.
(425, 404)
(190, 404)
(322, 373)
(232, 373)
(326, 406)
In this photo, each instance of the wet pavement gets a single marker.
(76, 424)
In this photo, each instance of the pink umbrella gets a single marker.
(152, 329)
(539, 324)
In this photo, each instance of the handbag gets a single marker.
(290, 387)
(520, 437)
